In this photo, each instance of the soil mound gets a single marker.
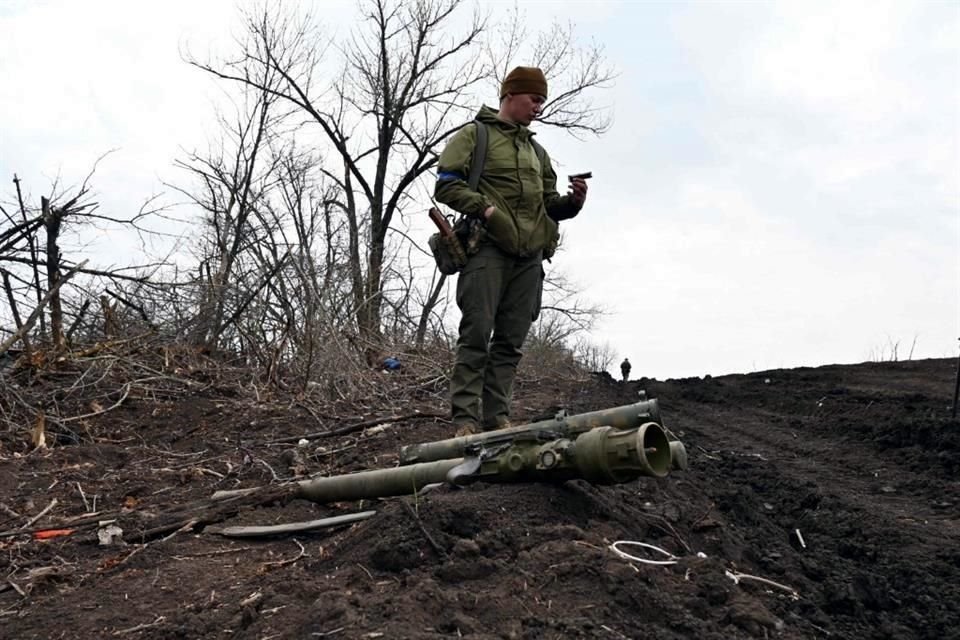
(819, 503)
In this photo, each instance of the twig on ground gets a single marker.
(141, 627)
(276, 478)
(440, 551)
(366, 571)
(357, 426)
(218, 552)
(281, 563)
(83, 496)
(310, 410)
(737, 577)
(189, 525)
(126, 392)
(32, 520)
(323, 454)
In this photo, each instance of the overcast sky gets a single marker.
(781, 186)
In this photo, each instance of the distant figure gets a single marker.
(625, 369)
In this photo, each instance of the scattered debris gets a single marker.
(738, 577)
(47, 534)
(796, 538)
(141, 627)
(293, 527)
(109, 533)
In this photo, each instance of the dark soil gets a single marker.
(863, 461)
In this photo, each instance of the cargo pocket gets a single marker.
(538, 302)
(469, 298)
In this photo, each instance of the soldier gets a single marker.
(625, 369)
(499, 290)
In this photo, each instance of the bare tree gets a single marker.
(64, 214)
(574, 71)
(233, 177)
(402, 84)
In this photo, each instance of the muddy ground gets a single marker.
(862, 460)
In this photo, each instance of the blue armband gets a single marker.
(443, 176)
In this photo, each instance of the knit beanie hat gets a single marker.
(524, 80)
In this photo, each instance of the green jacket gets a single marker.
(523, 192)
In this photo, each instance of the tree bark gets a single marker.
(428, 308)
(32, 244)
(52, 218)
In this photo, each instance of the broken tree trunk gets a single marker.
(52, 218)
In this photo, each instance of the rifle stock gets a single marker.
(456, 257)
(442, 225)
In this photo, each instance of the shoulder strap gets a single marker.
(479, 156)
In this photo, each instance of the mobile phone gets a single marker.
(583, 176)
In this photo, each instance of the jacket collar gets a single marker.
(489, 116)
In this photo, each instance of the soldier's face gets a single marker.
(525, 107)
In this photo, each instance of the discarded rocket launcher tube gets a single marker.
(603, 455)
(562, 426)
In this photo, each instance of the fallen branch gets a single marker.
(207, 554)
(293, 527)
(357, 426)
(126, 392)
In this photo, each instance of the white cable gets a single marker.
(672, 559)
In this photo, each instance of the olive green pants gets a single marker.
(499, 296)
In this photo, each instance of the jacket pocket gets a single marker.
(503, 230)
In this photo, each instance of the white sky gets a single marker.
(781, 186)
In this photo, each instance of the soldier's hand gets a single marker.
(488, 212)
(578, 191)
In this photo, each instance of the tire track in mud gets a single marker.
(881, 526)
(831, 464)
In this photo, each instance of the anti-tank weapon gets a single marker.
(603, 447)
(560, 426)
(603, 455)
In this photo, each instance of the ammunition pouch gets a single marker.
(449, 260)
(451, 254)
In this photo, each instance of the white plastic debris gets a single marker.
(109, 534)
